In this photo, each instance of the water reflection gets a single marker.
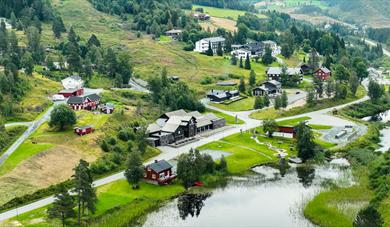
(270, 197)
(306, 175)
(191, 204)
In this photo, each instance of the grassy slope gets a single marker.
(111, 197)
(36, 101)
(147, 55)
(224, 13)
(245, 152)
(241, 105)
(14, 132)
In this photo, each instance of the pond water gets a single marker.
(385, 133)
(269, 197)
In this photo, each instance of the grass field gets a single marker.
(113, 197)
(230, 120)
(289, 4)
(36, 101)
(224, 13)
(245, 152)
(321, 104)
(28, 168)
(295, 59)
(241, 105)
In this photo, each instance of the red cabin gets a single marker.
(159, 172)
(71, 92)
(288, 129)
(83, 130)
(323, 73)
(89, 102)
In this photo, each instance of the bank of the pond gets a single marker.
(339, 206)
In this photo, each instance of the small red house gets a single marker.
(71, 92)
(89, 102)
(83, 130)
(288, 129)
(159, 172)
(323, 73)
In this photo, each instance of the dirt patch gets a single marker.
(216, 22)
(42, 170)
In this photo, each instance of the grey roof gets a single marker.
(75, 100)
(159, 166)
(83, 127)
(75, 77)
(80, 100)
(153, 128)
(180, 112)
(206, 120)
(214, 39)
(274, 82)
(109, 106)
(173, 31)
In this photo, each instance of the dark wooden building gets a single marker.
(323, 73)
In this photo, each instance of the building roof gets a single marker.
(173, 31)
(80, 100)
(273, 82)
(278, 70)
(324, 69)
(180, 112)
(215, 39)
(206, 119)
(109, 106)
(83, 127)
(153, 128)
(159, 166)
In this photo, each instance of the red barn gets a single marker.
(71, 92)
(288, 129)
(159, 172)
(89, 102)
(83, 130)
(323, 73)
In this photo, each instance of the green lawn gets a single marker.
(116, 201)
(230, 120)
(295, 59)
(321, 104)
(241, 105)
(245, 152)
(293, 122)
(224, 13)
(289, 4)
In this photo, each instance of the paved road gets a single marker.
(321, 117)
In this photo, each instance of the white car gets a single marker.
(58, 97)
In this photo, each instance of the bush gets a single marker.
(206, 80)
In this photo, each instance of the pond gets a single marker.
(385, 133)
(269, 197)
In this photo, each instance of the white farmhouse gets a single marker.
(242, 53)
(203, 45)
(72, 82)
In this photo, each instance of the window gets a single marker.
(153, 176)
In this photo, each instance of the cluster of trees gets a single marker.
(23, 14)
(173, 95)
(62, 117)
(243, 64)
(379, 34)
(89, 58)
(193, 165)
(230, 4)
(84, 196)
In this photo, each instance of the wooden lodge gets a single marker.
(83, 130)
(159, 173)
(89, 102)
(323, 73)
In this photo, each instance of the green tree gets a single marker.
(219, 49)
(28, 63)
(187, 168)
(267, 58)
(305, 142)
(330, 87)
(34, 44)
(209, 51)
(278, 102)
(368, 217)
(284, 99)
(62, 116)
(259, 103)
(314, 61)
(318, 86)
(270, 126)
(353, 84)
(286, 51)
(135, 169)
(361, 71)
(311, 98)
(73, 58)
(241, 63)
(241, 86)
(247, 62)
(85, 193)
(62, 207)
(233, 60)
(13, 20)
(341, 73)
(222, 165)
(252, 78)
(93, 40)
(375, 91)
(266, 100)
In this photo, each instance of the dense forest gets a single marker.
(230, 4)
(379, 34)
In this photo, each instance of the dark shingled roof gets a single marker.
(75, 100)
(159, 166)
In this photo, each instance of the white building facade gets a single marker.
(203, 45)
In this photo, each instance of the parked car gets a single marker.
(58, 97)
